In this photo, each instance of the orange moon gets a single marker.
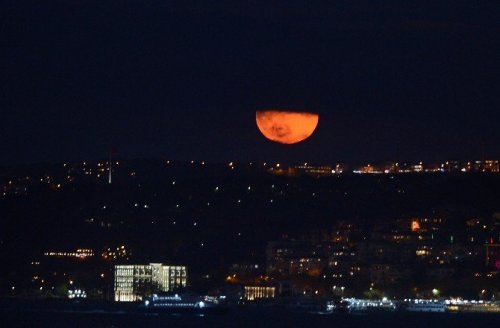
(286, 127)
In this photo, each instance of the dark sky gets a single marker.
(402, 80)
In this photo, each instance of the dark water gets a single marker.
(242, 318)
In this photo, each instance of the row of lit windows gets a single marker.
(79, 253)
(252, 293)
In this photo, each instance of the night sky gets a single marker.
(391, 80)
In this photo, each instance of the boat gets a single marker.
(426, 306)
(361, 306)
(181, 303)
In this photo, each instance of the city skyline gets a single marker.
(183, 163)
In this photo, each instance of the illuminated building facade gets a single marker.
(132, 282)
(168, 278)
(137, 281)
(259, 292)
(492, 166)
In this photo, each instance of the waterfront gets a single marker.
(246, 317)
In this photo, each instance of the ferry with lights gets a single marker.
(427, 306)
(182, 303)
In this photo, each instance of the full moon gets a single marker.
(286, 127)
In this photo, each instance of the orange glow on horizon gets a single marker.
(286, 127)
